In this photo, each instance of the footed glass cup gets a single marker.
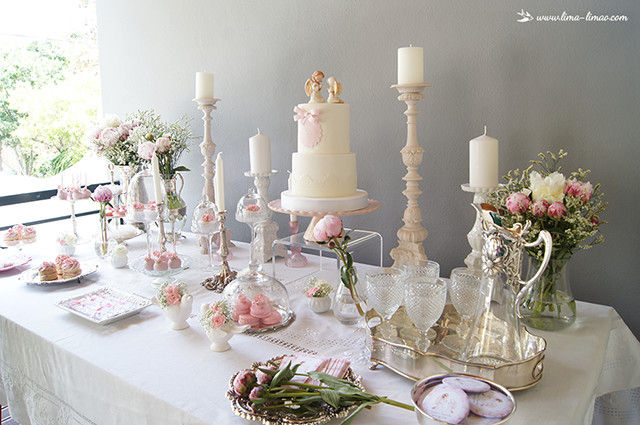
(385, 294)
(424, 302)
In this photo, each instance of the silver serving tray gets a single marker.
(31, 276)
(401, 355)
(117, 305)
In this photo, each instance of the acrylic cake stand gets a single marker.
(276, 206)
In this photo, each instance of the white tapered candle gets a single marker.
(218, 184)
(157, 181)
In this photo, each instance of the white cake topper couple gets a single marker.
(313, 86)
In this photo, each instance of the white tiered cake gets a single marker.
(323, 171)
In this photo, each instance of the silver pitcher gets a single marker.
(495, 336)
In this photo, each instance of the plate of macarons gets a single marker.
(62, 270)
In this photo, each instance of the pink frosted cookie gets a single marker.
(274, 318)
(469, 385)
(247, 319)
(490, 404)
(242, 305)
(260, 307)
(446, 403)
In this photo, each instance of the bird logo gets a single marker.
(524, 16)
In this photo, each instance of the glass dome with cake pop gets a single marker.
(256, 299)
(140, 208)
(205, 223)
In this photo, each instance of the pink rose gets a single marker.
(217, 321)
(579, 189)
(147, 150)
(328, 227)
(311, 292)
(518, 203)
(163, 144)
(102, 194)
(556, 210)
(109, 136)
(539, 208)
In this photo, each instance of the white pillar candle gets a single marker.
(483, 161)
(157, 181)
(410, 65)
(218, 184)
(260, 153)
(204, 85)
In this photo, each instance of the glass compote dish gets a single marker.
(425, 299)
(205, 224)
(256, 299)
(385, 295)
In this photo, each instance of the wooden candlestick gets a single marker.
(474, 259)
(412, 233)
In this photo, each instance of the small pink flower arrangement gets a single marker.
(215, 315)
(208, 218)
(318, 288)
(111, 140)
(170, 294)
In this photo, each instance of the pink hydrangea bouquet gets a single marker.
(170, 293)
(215, 315)
(111, 140)
(329, 230)
(569, 207)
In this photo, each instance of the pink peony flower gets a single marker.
(102, 194)
(93, 134)
(146, 150)
(262, 377)
(579, 189)
(217, 321)
(539, 208)
(244, 382)
(556, 210)
(255, 393)
(328, 227)
(518, 203)
(163, 144)
(109, 136)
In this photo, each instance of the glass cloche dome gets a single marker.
(141, 208)
(204, 218)
(256, 299)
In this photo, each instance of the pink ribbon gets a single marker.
(306, 116)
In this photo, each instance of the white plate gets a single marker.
(16, 260)
(105, 305)
(31, 276)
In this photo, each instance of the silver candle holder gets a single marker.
(412, 234)
(225, 275)
(162, 237)
(266, 231)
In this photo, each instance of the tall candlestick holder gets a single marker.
(208, 149)
(480, 195)
(162, 237)
(412, 233)
(218, 282)
(266, 231)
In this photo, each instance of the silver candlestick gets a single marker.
(412, 233)
(218, 282)
(480, 195)
(266, 231)
(162, 237)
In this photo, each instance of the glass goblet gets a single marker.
(384, 293)
(466, 291)
(421, 268)
(424, 302)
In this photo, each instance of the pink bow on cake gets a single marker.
(310, 124)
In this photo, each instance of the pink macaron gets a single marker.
(274, 318)
(247, 319)
(242, 305)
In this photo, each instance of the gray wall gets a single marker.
(537, 86)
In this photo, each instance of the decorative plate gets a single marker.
(31, 276)
(241, 406)
(105, 305)
(11, 261)
(138, 265)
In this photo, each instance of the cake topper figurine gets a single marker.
(335, 88)
(313, 86)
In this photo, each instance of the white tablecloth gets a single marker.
(59, 369)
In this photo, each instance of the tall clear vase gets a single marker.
(549, 305)
(126, 174)
(175, 206)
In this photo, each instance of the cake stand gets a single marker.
(276, 206)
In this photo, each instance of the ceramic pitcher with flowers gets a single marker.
(176, 304)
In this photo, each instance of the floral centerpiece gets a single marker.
(103, 196)
(329, 230)
(176, 303)
(317, 294)
(67, 243)
(168, 141)
(111, 140)
(217, 321)
(569, 208)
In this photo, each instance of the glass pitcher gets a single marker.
(496, 336)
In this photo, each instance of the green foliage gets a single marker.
(48, 95)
